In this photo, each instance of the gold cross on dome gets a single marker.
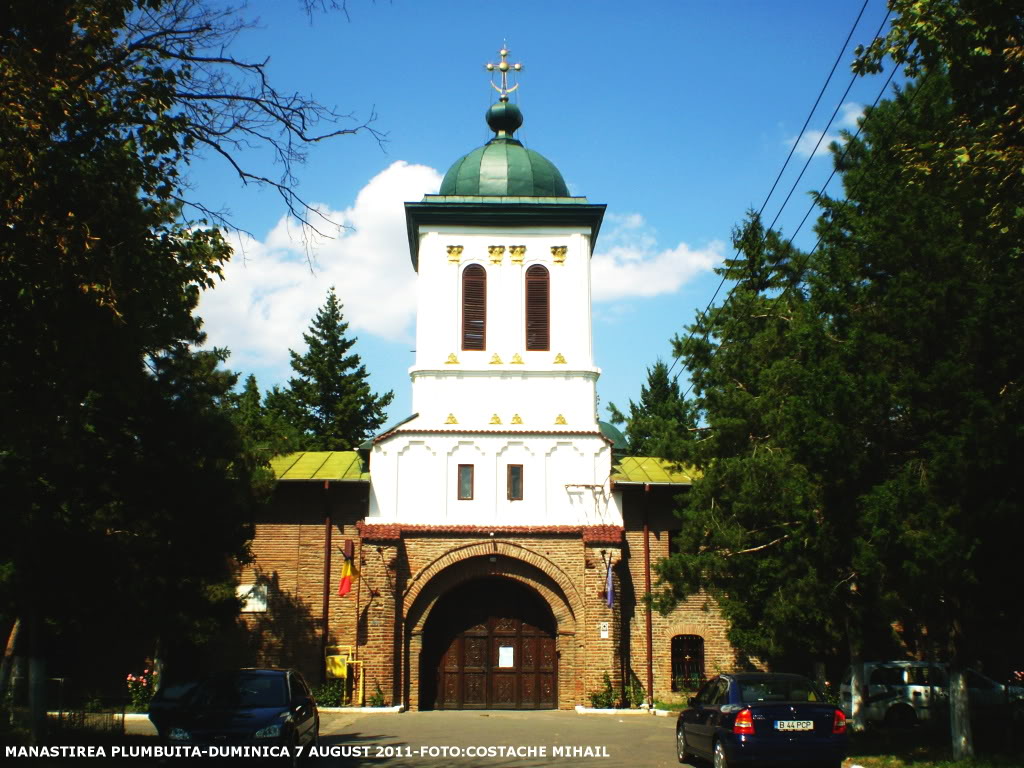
(503, 66)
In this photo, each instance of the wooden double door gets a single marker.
(493, 647)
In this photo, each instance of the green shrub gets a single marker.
(377, 700)
(604, 699)
(330, 693)
(634, 691)
(141, 689)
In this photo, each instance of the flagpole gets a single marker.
(327, 578)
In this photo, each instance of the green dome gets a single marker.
(619, 444)
(503, 166)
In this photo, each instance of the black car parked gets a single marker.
(245, 707)
(761, 718)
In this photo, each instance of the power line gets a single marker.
(796, 143)
(814, 204)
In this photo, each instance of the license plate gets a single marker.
(794, 725)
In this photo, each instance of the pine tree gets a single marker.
(265, 432)
(863, 410)
(660, 419)
(329, 401)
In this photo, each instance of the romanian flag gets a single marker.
(348, 575)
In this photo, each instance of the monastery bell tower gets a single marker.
(504, 382)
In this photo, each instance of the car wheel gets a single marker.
(682, 750)
(900, 717)
(721, 761)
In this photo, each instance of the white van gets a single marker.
(901, 693)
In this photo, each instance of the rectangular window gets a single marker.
(538, 308)
(515, 482)
(253, 597)
(465, 481)
(474, 307)
(687, 662)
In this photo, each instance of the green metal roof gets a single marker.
(647, 470)
(320, 465)
(503, 167)
(615, 435)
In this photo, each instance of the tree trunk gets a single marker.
(819, 675)
(857, 682)
(960, 714)
(158, 665)
(857, 685)
(8, 663)
(37, 697)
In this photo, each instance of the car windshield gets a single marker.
(778, 690)
(243, 691)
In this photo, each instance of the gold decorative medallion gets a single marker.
(497, 252)
(559, 360)
(560, 419)
(454, 253)
(558, 253)
(452, 360)
(495, 360)
(516, 419)
(518, 252)
(451, 419)
(495, 419)
(516, 359)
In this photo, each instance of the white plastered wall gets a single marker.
(565, 479)
(503, 405)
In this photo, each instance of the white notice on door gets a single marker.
(506, 656)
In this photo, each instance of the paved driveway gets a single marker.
(497, 739)
(493, 739)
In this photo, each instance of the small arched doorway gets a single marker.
(489, 643)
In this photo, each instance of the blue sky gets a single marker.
(677, 115)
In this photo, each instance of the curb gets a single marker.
(364, 710)
(581, 710)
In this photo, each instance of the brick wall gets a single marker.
(697, 615)
(404, 573)
(288, 551)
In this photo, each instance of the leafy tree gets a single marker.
(863, 409)
(979, 147)
(127, 489)
(329, 401)
(757, 382)
(661, 418)
(265, 431)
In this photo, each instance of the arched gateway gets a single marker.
(490, 632)
(489, 644)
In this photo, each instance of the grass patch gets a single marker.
(893, 761)
(674, 706)
(921, 747)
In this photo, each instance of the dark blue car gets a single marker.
(265, 708)
(761, 718)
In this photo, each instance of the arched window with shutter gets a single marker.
(474, 307)
(538, 309)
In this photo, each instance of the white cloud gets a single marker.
(274, 286)
(629, 264)
(847, 119)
